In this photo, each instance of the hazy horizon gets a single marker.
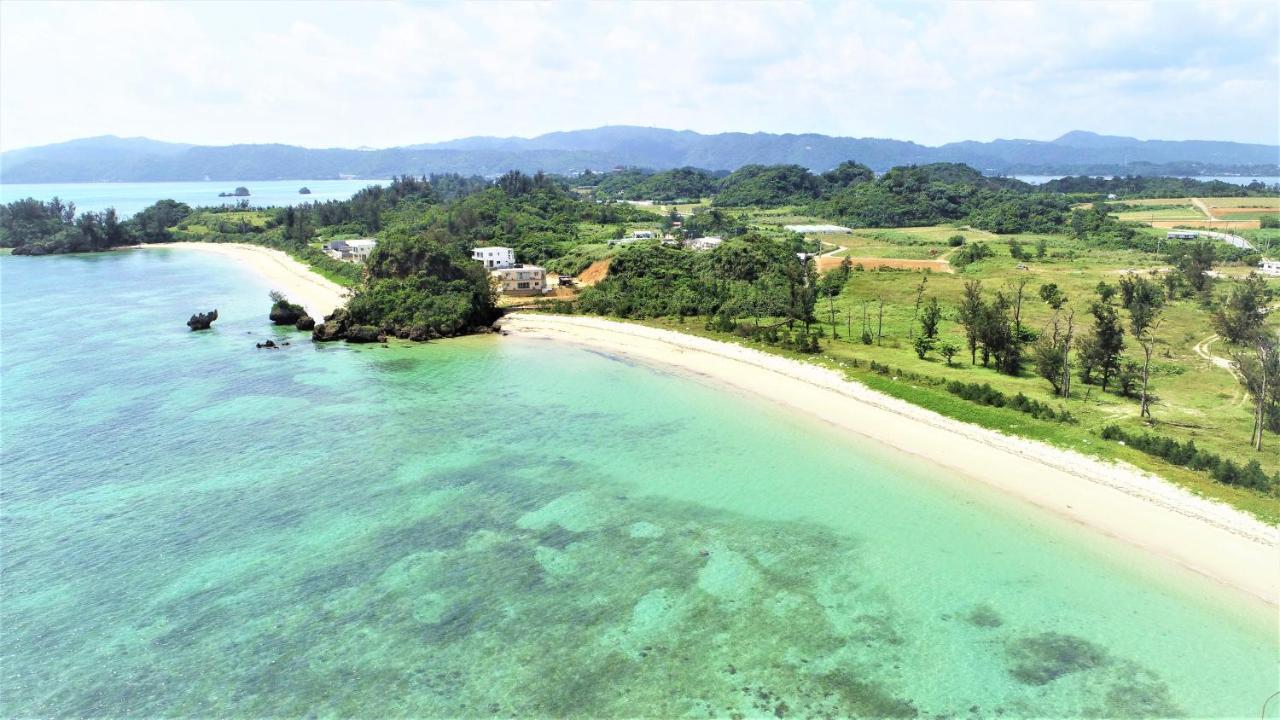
(180, 141)
(386, 75)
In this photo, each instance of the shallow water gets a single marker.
(498, 526)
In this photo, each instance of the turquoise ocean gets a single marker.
(497, 526)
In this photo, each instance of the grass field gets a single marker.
(1244, 214)
(1161, 212)
(1243, 202)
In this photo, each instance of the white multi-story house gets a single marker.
(351, 250)
(521, 280)
(1269, 267)
(703, 243)
(494, 257)
(359, 249)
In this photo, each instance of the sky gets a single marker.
(381, 74)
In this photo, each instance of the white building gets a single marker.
(494, 257)
(521, 280)
(644, 234)
(1269, 267)
(359, 249)
(703, 243)
(351, 250)
(1181, 235)
(818, 229)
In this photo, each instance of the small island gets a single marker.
(304, 191)
(241, 191)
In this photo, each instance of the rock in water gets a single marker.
(306, 322)
(285, 313)
(333, 327)
(202, 321)
(268, 344)
(364, 334)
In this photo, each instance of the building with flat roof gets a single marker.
(818, 229)
(494, 257)
(360, 248)
(351, 250)
(521, 280)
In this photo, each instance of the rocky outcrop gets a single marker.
(364, 334)
(333, 328)
(306, 323)
(304, 191)
(285, 313)
(202, 321)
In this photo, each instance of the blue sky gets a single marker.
(381, 74)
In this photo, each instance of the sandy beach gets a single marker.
(1132, 506)
(302, 286)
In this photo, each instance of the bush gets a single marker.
(1269, 221)
(970, 253)
(1187, 455)
(984, 394)
(955, 240)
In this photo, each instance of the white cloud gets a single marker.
(333, 74)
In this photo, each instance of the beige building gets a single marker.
(521, 280)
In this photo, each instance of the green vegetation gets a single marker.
(423, 286)
(634, 184)
(769, 186)
(33, 227)
(1152, 187)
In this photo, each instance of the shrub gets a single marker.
(984, 394)
(1187, 455)
(970, 253)
(955, 240)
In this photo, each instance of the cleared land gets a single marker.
(1229, 213)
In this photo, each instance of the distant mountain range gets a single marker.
(114, 159)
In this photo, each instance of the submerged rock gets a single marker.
(1043, 658)
(270, 344)
(202, 321)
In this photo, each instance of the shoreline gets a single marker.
(299, 283)
(1134, 507)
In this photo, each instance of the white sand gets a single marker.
(302, 286)
(1119, 500)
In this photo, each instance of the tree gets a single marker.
(1144, 301)
(1260, 375)
(1053, 296)
(970, 314)
(1194, 262)
(948, 350)
(831, 285)
(922, 346)
(929, 318)
(924, 280)
(1107, 341)
(1239, 318)
(1052, 355)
